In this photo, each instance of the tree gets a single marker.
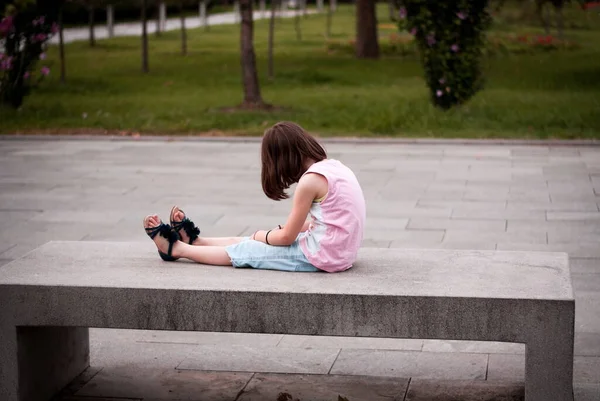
(25, 28)
(61, 45)
(91, 24)
(271, 38)
(367, 44)
(252, 96)
(450, 36)
(183, 31)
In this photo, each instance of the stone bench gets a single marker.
(52, 295)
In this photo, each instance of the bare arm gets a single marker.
(310, 187)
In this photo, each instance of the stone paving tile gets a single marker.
(582, 266)
(405, 236)
(473, 347)
(587, 313)
(411, 364)
(587, 216)
(467, 390)
(268, 387)
(552, 206)
(586, 392)
(169, 384)
(464, 245)
(249, 359)
(580, 250)
(498, 214)
(106, 352)
(506, 367)
(588, 282)
(456, 224)
(309, 342)
(587, 344)
(5, 261)
(527, 237)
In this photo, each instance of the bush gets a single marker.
(450, 36)
(24, 31)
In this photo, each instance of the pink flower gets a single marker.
(54, 28)
(454, 48)
(431, 39)
(402, 12)
(442, 81)
(40, 37)
(26, 75)
(413, 31)
(38, 21)
(6, 64)
(1, 56)
(6, 25)
(439, 93)
(45, 70)
(461, 15)
(448, 89)
(42, 56)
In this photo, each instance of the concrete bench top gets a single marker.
(381, 272)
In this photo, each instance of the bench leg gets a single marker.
(549, 369)
(37, 362)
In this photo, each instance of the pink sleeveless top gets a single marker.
(335, 235)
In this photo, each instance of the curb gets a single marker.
(342, 140)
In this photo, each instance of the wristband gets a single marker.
(267, 237)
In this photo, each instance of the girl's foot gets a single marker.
(165, 239)
(187, 230)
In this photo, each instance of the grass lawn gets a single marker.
(552, 94)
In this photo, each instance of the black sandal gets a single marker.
(186, 225)
(165, 231)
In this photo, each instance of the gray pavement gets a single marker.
(418, 196)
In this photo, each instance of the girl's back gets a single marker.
(338, 220)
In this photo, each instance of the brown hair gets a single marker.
(286, 147)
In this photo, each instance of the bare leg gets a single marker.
(211, 255)
(178, 215)
(218, 241)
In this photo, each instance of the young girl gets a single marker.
(327, 193)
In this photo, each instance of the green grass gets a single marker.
(543, 95)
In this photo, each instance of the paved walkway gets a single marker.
(423, 196)
(135, 28)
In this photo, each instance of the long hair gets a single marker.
(285, 148)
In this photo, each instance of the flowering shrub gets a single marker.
(24, 31)
(450, 36)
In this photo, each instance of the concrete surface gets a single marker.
(47, 187)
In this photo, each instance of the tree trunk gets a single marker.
(158, 18)
(367, 45)
(183, 32)
(91, 25)
(271, 38)
(61, 47)
(145, 68)
(252, 97)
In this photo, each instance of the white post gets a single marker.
(236, 12)
(333, 5)
(263, 8)
(162, 17)
(203, 17)
(110, 20)
(320, 6)
(284, 6)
